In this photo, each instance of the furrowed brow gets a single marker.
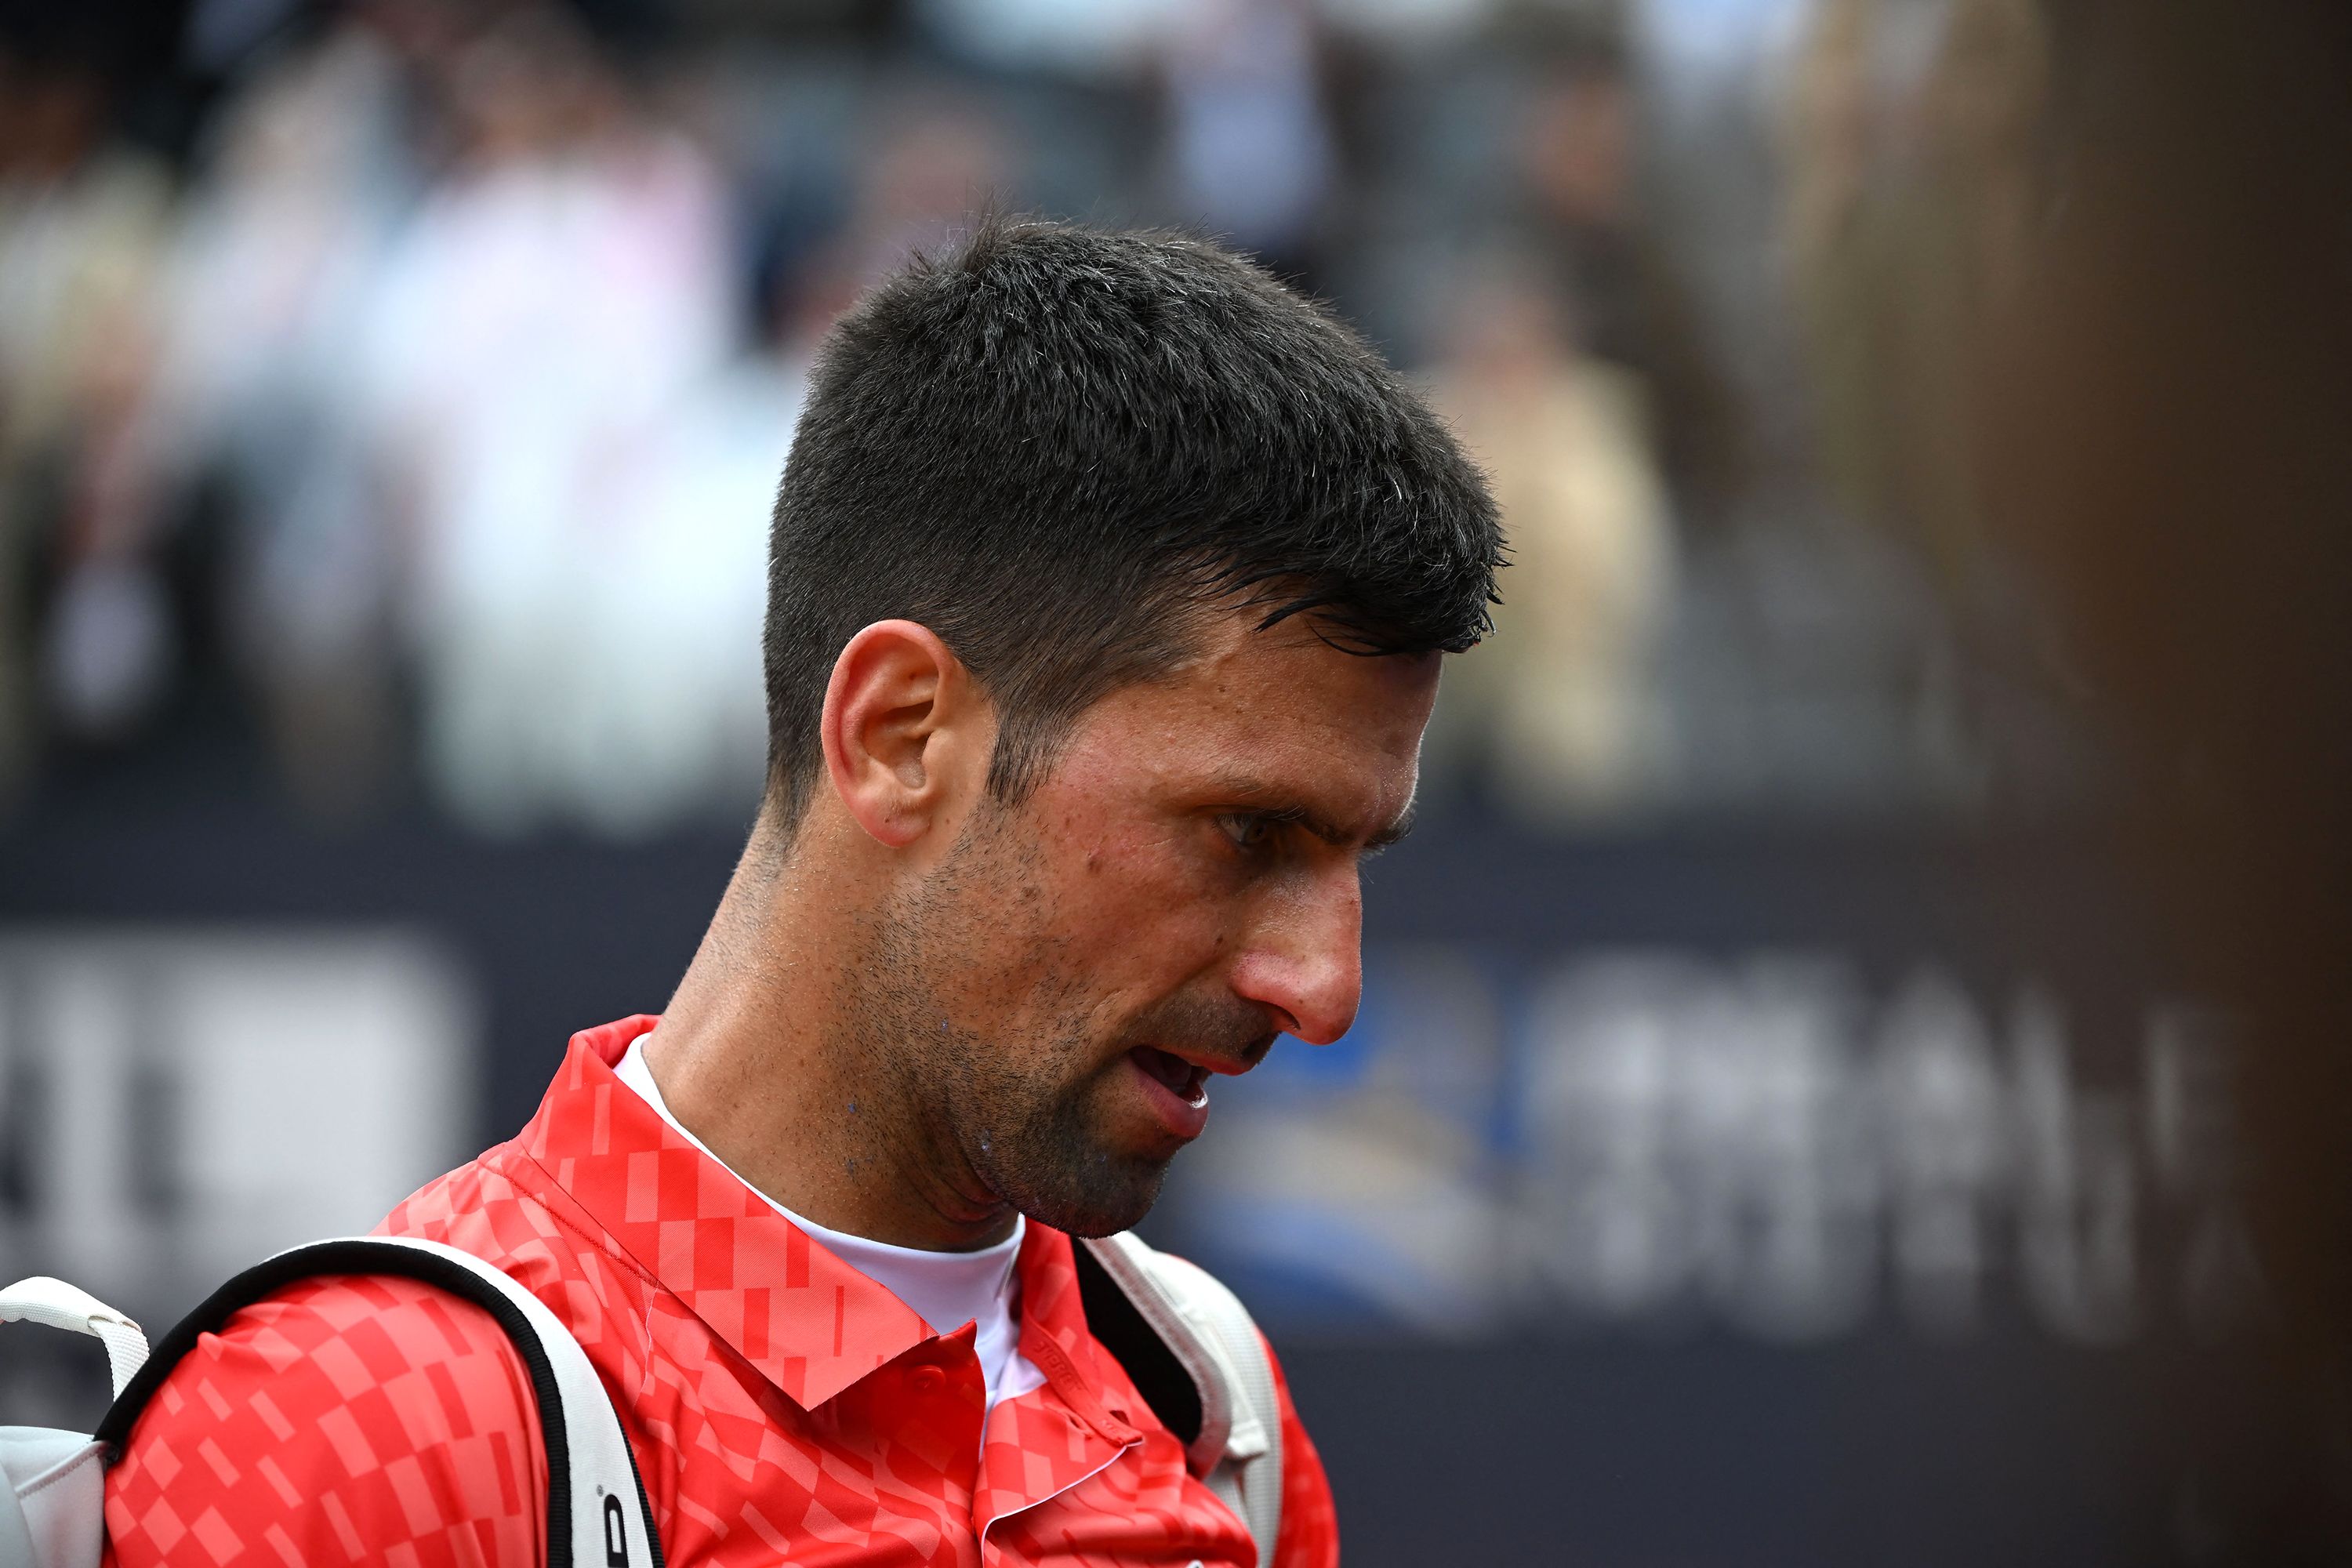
(1314, 822)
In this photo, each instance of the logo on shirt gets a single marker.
(616, 1534)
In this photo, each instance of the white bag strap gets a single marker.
(1238, 1451)
(41, 1300)
(597, 1513)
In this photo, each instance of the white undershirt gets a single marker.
(946, 1289)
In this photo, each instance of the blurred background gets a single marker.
(1850, 1072)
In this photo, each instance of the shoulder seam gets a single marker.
(604, 1243)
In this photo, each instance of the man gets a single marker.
(1108, 586)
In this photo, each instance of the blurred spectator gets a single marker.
(1579, 210)
(1249, 149)
(1909, 133)
(548, 304)
(926, 161)
(82, 227)
(1563, 705)
(272, 278)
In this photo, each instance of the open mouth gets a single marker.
(1180, 1077)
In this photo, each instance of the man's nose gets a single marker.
(1305, 962)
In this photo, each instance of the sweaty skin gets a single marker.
(926, 1011)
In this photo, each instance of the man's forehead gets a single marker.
(1280, 710)
(1336, 747)
(1235, 652)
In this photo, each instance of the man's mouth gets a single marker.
(1180, 1077)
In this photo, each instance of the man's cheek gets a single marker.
(1154, 898)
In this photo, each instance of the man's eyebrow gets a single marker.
(1244, 789)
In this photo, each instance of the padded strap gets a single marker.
(597, 1513)
(1237, 1450)
(41, 1300)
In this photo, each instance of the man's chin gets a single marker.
(1111, 1194)
(1093, 1165)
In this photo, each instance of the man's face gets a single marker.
(1181, 888)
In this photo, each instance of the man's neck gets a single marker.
(753, 1057)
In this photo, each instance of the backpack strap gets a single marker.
(41, 1300)
(1224, 1407)
(597, 1514)
(53, 1484)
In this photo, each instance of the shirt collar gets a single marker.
(944, 1287)
(810, 1322)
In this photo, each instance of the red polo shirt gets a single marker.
(782, 1406)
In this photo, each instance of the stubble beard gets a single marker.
(1019, 1113)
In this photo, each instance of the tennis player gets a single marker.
(1108, 587)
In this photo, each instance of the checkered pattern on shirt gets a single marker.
(345, 1420)
(782, 1406)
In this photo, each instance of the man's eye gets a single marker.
(1248, 830)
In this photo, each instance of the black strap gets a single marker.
(359, 1256)
(1150, 1366)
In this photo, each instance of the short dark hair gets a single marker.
(1054, 446)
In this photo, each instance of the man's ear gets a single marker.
(908, 735)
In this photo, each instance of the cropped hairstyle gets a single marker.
(1057, 446)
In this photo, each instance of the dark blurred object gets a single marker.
(2111, 342)
(133, 45)
(2174, 459)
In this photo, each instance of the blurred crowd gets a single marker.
(406, 405)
